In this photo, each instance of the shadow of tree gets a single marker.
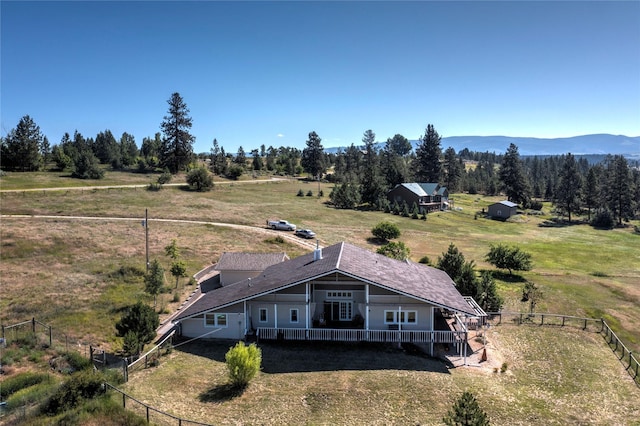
(510, 278)
(559, 223)
(222, 393)
(376, 241)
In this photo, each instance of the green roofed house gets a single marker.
(337, 293)
(428, 196)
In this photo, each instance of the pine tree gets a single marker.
(453, 170)
(177, 145)
(590, 193)
(428, 167)
(21, 148)
(154, 280)
(618, 191)
(466, 412)
(313, 157)
(372, 186)
(569, 190)
(513, 179)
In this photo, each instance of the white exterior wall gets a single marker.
(234, 329)
(284, 302)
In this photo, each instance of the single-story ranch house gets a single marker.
(503, 209)
(428, 196)
(338, 293)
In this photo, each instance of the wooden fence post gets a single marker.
(50, 337)
(33, 325)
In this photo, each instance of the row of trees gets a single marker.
(362, 174)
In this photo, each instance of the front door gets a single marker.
(335, 311)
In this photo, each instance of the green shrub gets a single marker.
(425, 260)
(20, 381)
(29, 395)
(243, 363)
(176, 297)
(81, 386)
(300, 193)
(309, 193)
(503, 368)
(77, 361)
(321, 193)
(603, 219)
(386, 231)
(192, 281)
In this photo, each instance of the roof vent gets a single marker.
(249, 282)
(317, 253)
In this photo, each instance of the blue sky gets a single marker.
(269, 73)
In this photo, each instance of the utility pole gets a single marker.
(146, 235)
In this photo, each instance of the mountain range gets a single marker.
(595, 144)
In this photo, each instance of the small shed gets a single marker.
(503, 209)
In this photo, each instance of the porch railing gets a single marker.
(359, 335)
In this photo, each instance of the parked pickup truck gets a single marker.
(282, 225)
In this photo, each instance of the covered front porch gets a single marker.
(452, 332)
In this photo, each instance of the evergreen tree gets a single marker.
(257, 160)
(590, 194)
(513, 179)
(345, 196)
(428, 167)
(20, 150)
(394, 160)
(141, 320)
(154, 280)
(451, 262)
(372, 186)
(618, 191)
(487, 295)
(177, 145)
(106, 147)
(313, 157)
(128, 149)
(241, 157)
(45, 151)
(466, 412)
(569, 190)
(453, 169)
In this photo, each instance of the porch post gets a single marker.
(275, 315)
(366, 315)
(246, 318)
(308, 299)
(432, 328)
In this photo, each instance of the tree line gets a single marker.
(607, 192)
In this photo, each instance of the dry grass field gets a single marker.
(76, 274)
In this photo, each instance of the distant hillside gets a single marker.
(577, 145)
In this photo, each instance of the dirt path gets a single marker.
(88, 188)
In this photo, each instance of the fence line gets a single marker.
(625, 356)
(149, 410)
(150, 356)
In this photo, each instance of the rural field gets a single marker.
(72, 258)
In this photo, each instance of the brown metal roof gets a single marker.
(248, 261)
(412, 279)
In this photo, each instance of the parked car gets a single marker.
(305, 233)
(282, 225)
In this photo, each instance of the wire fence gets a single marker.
(153, 415)
(597, 325)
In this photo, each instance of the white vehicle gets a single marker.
(282, 225)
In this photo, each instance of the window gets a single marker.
(263, 315)
(215, 320)
(293, 315)
(339, 295)
(402, 317)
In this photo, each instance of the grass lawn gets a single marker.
(78, 274)
(554, 377)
